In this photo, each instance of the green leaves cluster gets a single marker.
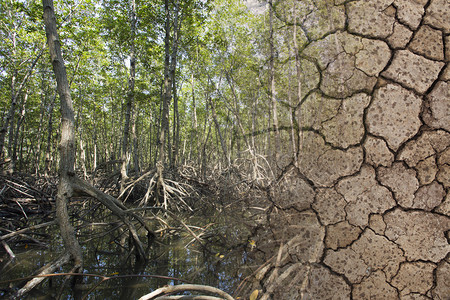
(221, 77)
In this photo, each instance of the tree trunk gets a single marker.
(173, 67)
(272, 83)
(67, 144)
(48, 152)
(194, 134)
(40, 135)
(135, 144)
(16, 134)
(14, 96)
(222, 142)
(68, 181)
(130, 98)
(166, 93)
(166, 96)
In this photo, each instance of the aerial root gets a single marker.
(118, 209)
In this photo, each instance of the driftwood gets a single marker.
(188, 297)
(159, 293)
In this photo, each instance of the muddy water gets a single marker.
(224, 263)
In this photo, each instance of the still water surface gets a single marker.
(224, 264)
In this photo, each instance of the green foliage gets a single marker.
(222, 61)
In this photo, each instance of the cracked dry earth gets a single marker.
(364, 212)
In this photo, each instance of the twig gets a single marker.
(3, 237)
(18, 190)
(27, 186)
(173, 217)
(3, 189)
(10, 252)
(21, 208)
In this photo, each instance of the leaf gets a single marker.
(222, 256)
(254, 295)
(252, 244)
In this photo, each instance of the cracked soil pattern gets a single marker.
(363, 212)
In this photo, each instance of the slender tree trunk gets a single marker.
(151, 144)
(292, 118)
(14, 96)
(219, 132)
(173, 67)
(17, 133)
(166, 93)
(44, 94)
(203, 157)
(130, 98)
(166, 96)
(253, 144)
(68, 181)
(235, 111)
(67, 144)
(78, 121)
(272, 83)
(30, 148)
(135, 143)
(83, 158)
(94, 164)
(194, 133)
(48, 152)
(176, 126)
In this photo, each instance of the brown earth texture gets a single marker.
(364, 210)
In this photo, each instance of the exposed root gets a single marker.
(159, 293)
(167, 193)
(118, 209)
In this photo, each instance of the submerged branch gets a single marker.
(44, 272)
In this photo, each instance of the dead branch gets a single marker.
(20, 183)
(8, 249)
(197, 238)
(116, 207)
(133, 183)
(48, 269)
(188, 297)
(186, 288)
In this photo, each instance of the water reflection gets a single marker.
(223, 264)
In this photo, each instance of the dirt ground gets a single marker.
(364, 211)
